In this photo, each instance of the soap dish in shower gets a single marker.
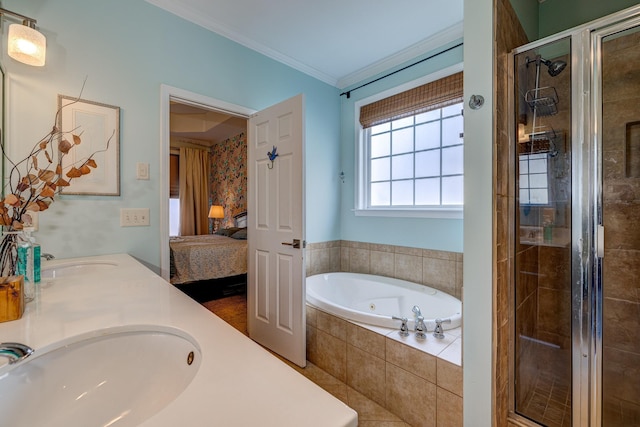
(544, 100)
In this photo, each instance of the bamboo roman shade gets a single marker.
(431, 96)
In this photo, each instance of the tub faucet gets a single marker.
(404, 329)
(438, 332)
(47, 256)
(14, 351)
(419, 325)
(416, 311)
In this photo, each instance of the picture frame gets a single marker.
(98, 126)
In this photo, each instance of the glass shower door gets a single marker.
(543, 251)
(620, 207)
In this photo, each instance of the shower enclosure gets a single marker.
(575, 297)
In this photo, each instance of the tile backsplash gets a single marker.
(438, 269)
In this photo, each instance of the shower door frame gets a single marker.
(587, 234)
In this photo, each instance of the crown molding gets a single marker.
(441, 38)
(224, 31)
(450, 34)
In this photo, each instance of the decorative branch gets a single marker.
(34, 182)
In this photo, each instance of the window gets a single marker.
(174, 194)
(174, 217)
(411, 152)
(533, 183)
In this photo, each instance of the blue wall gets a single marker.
(541, 19)
(439, 234)
(126, 49)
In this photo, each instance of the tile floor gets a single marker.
(233, 310)
(550, 400)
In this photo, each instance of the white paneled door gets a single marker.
(275, 279)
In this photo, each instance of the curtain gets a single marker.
(194, 191)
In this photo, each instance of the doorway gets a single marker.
(275, 208)
(187, 102)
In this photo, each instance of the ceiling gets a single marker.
(201, 126)
(339, 42)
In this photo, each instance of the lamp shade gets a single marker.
(27, 45)
(216, 211)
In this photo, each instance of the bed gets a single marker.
(208, 256)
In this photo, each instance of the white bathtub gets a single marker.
(374, 300)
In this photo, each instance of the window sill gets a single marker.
(440, 213)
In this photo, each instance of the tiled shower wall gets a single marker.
(621, 193)
(438, 269)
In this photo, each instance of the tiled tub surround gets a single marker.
(418, 380)
(438, 269)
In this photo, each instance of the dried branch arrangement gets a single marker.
(33, 183)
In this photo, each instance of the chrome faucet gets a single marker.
(416, 311)
(14, 351)
(419, 325)
(404, 329)
(420, 328)
(47, 256)
(438, 332)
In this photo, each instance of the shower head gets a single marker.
(554, 67)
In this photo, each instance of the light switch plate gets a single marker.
(142, 170)
(134, 217)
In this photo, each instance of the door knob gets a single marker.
(295, 243)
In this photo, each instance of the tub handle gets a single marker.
(404, 329)
(420, 328)
(438, 332)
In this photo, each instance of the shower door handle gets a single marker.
(600, 241)
(295, 243)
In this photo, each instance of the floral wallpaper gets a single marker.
(228, 178)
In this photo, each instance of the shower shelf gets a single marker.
(544, 100)
(544, 140)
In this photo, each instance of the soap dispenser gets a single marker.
(25, 264)
(37, 258)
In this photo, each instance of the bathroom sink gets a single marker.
(114, 377)
(76, 268)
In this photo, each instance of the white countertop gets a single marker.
(238, 382)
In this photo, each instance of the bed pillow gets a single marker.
(227, 231)
(240, 234)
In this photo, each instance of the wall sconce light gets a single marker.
(26, 44)
(216, 212)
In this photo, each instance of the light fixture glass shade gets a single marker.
(27, 45)
(216, 212)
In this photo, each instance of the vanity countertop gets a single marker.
(238, 383)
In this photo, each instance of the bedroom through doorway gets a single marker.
(206, 200)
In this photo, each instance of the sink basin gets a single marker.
(76, 268)
(116, 377)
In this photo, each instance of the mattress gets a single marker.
(205, 257)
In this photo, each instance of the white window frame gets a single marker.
(361, 159)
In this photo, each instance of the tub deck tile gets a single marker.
(430, 345)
